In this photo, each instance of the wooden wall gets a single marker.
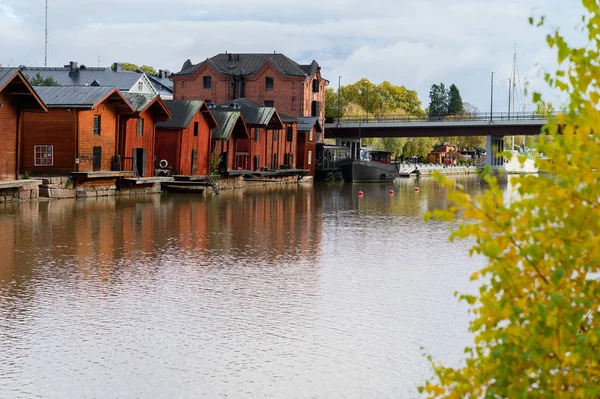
(8, 137)
(130, 139)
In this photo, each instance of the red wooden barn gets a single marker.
(264, 127)
(185, 140)
(309, 133)
(78, 134)
(16, 97)
(136, 143)
(231, 141)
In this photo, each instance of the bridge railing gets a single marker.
(471, 117)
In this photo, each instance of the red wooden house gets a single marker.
(78, 134)
(264, 128)
(230, 141)
(16, 97)
(185, 140)
(137, 140)
(310, 132)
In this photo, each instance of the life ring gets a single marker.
(163, 163)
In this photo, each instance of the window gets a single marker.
(290, 134)
(207, 82)
(97, 125)
(182, 85)
(310, 137)
(293, 102)
(316, 108)
(256, 162)
(140, 86)
(275, 135)
(269, 83)
(195, 128)
(310, 157)
(256, 134)
(316, 85)
(43, 155)
(269, 103)
(140, 127)
(293, 85)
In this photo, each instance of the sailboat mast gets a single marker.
(514, 86)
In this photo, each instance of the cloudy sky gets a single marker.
(414, 43)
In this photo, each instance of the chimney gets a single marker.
(167, 73)
(72, 68)
(117, 67)
(161, 73)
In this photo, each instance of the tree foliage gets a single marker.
(537, 314)
(455, 103)
(544, 109)
(131, 67)
(438, 100)
(39, 80)
(148, 70)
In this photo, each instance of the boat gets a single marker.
(373, 166)
(514, 165)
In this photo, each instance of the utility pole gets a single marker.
(46, 45)
(367, 103)
(509, 89)
(339, 94)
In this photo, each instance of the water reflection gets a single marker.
(295, 291)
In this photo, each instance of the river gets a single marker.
(296, 291)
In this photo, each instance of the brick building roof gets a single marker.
(251, 64)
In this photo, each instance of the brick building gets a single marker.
(16, 97)
(272, 80)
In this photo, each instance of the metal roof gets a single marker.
(306, 123)
(139, 101)
(251, 64)
(183, 112)
(6, 75)
(227, 121)
(254, 114)
(86, 76)
(74, 96)
(287, 118)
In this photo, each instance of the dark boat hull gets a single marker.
(368, 171)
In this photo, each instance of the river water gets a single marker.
(291, 292)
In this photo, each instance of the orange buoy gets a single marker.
(417, 189)
(391, 192)
(360, 193)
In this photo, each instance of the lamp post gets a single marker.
(339, 93)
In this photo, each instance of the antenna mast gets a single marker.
(46, 46)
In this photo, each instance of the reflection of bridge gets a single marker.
(349, 131)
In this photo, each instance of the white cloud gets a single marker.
(414, 43)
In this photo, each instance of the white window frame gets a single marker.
(310, 136)
(46, 154)
(310, 157)
(141, 86)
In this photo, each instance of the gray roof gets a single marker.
(254, 114)
(306, 123)
(163, 86)
(72, 96)
(6, 75)
(250, 64)
(139, 101)
(86, 76)
(287, 118)
(183, 112)
(227, 121)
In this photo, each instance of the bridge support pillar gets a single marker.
(494, 146)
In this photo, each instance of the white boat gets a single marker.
(514, 165)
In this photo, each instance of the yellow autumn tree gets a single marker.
(536, 320)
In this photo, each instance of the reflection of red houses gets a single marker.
(184, 141)
(136, 141)
(441, 154)
(79, 132)
(16, 96)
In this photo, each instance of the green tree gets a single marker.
(418, 146)
(455, 103)
(39, 80)
(331, 103)
(148, 70)
(544, 109)
(382, 99)
(438, 100)
(536, 317)
(128, 66)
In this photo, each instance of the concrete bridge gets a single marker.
(349, 131)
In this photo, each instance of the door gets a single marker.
(194, 162)
(139, 162)
(96, 159)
